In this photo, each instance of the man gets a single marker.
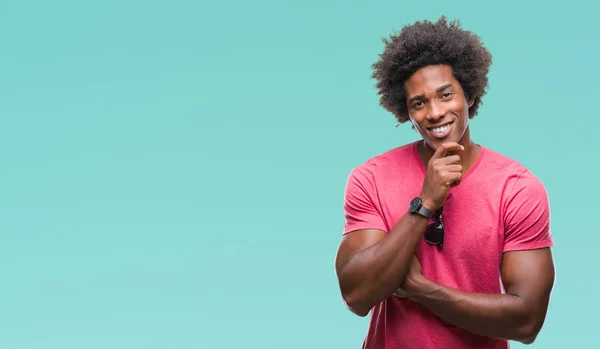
(445, 242)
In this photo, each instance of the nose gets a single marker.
(436, 111)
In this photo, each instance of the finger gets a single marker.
(454, 168)
(448, 160)
(443, 149)
(453, 179)
(400, 293)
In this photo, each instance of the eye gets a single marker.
(446, 94)
(417, 105)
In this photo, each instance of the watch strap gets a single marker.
(424, 211)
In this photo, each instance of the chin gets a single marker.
(433, 144)
(437, 142)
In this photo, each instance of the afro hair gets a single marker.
(425, 43)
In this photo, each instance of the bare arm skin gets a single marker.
(371, 264)
(528, 278)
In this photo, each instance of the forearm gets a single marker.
(492, 315)
(373, 274)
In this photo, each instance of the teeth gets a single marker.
(441, 129)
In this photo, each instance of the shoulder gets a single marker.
(390, 161)
(519, 184)
(495, 160)
(504, 169)
(524, 204)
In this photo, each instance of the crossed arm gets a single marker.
(527, 276)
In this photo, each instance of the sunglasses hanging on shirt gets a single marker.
(434, 233)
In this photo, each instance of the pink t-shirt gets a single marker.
(499, 206)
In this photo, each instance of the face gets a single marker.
(437, 106)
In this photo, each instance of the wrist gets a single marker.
(418, 285)
(417, 207)
(429, 204)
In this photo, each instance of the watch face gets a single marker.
(415, 204)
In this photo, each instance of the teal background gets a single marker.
(172, 172)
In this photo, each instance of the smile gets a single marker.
(441, 131)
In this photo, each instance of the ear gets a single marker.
(471, 101)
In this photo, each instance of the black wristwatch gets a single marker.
(416, 206)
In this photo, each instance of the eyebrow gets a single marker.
(421, 96)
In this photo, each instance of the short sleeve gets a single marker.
(360, 198)
(527, 215)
